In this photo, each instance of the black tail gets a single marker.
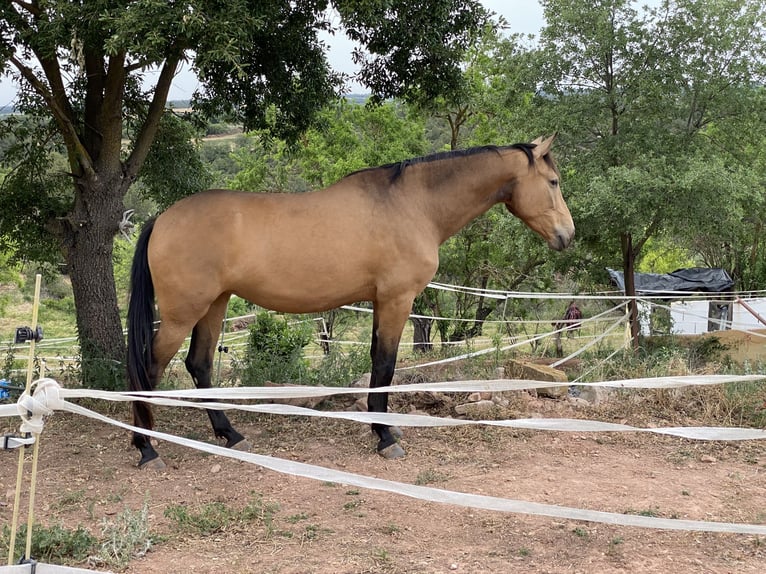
(141, 315)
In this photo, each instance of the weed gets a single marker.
(71, 498)
(381, 555)
(55, 543)
(524, 552)
(215, 517)
(352, 504)
(124, 538)
(581, 532)
(293, 519)
(650, 512)
(430, 476)
(390, 529)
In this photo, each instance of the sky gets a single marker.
(523, 16)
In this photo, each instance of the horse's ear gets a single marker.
(542, 146)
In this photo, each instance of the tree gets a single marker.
(492, 252)
(647, 102)
(81, 68)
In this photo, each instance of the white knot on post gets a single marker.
(34, 406)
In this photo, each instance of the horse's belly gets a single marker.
(302, 298)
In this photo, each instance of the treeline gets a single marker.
(660, 113)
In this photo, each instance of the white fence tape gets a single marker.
(40, 568)
(173, 399)
(428, 493)
(438, 495)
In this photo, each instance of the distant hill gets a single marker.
(180, 105)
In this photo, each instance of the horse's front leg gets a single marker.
(388, 322)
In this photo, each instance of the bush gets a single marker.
(54, 544)
(340, 369)
(275, 351)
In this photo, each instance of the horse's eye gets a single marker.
(554, 182)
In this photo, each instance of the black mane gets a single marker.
(396, 170)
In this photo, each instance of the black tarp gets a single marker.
(695, 279)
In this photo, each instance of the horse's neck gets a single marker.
(470, 190)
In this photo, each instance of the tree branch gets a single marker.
(78, 155)
(149, 129)
(30, 7)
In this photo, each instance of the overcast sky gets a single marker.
(524, 16)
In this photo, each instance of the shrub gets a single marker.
(55, 544)
(275, 351)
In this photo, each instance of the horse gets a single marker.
(372, 236)
(570, 323)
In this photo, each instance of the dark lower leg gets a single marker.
(382, 373)
(199, 363)
(142, 418)
(223, 429)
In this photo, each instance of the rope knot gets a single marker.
(34, 407)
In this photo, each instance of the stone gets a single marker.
(534, 372)
(478, 408)
(595, 395)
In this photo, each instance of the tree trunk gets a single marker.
(88, 250)
(422, 333)
(628, 258)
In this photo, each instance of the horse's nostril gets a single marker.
(561, 240)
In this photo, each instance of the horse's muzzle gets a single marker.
(561, 239)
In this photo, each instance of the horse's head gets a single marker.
(536, 198)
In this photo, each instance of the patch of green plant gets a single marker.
(215, 517)
(55, 544)
(124, 538)
(71, 498)
(390, 529)
(338, 369)
(430, 476)
(295, 518)
(649, 512)
(275, 351)
(239, 307)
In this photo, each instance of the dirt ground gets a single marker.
(87, 475)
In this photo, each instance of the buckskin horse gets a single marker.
(372, 236)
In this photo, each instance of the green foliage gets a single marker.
(261, 63)
(173, 169)
(124, 537)
(215, 517)
(275, 351)
(651, 150)
(238, 307)
(348, 137)
(425, 42)
(55, 544)
(337, 369)
(34, 191)
(352, 136)
(663, 256)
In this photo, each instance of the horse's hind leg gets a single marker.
(388, 322)
(199, 363)
(165, 344)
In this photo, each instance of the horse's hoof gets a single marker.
(156, 464)
(392, 452)
(243, 446)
